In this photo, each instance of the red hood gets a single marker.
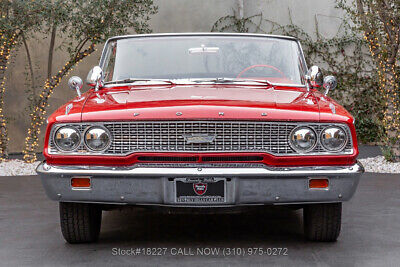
(203, 102)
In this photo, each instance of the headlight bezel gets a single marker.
(342, 146)
(99, 127)
(77, 144)
(297, 128)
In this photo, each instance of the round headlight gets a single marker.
(97, 138)
(333, 138)
(303, 139)
(67, 138)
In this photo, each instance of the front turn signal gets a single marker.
(318, 183)
(80, 183)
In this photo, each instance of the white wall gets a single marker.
(173, 16)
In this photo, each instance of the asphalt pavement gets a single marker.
(30, 233)
(369, 151)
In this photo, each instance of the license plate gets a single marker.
(207, 190)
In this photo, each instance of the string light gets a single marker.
(7, 43)
(37, 114)
(380, 46)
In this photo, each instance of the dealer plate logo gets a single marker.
(200, 188)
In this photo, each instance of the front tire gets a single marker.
(322, 222)
(80, 222)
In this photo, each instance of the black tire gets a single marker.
(80, 222)
(322, 222)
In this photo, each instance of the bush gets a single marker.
(345, 55)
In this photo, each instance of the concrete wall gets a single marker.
(173, 16)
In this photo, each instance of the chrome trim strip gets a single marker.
(45, 168)
(193, 83)
(278, 149)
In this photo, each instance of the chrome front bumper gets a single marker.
(154, 185)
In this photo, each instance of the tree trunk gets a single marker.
(51, 51)
(391, 115)
(37, 116)
(3, 123)
(28, 57)
(385, 54)
(241, 27)
(7, 42)
(240, 13)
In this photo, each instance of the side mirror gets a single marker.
(330, 83)
(314, 77)
(95, 77)
(75, 83)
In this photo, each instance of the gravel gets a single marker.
(380, 165)
(18, 167)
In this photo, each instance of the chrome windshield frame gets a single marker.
(179, 82)
(166, 35)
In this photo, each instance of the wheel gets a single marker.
(80, 222)
(322, 222)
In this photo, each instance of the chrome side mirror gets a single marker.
(75, 83)
(95, 78)
(314, 77)
(330, 83)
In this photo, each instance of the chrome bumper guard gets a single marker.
(153, 185)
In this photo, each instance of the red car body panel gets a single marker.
(203, 102)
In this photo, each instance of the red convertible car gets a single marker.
(201, 121)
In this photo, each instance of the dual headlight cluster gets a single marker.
(304, 139)
(69, 138)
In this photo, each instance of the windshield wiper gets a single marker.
(231, 80)
(131, 80)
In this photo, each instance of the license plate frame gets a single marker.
(215, 191)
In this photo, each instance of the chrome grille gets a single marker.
(231, 136)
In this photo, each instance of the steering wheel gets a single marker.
(263, 66)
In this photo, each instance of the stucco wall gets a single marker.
(173, 16)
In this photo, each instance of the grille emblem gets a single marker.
(199, 138)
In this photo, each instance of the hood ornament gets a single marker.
(333, 108)
(99, 99)
(68, 108)
(199, 138)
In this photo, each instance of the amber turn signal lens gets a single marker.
(80, 182)
(318, 183)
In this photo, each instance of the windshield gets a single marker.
(198, 58)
